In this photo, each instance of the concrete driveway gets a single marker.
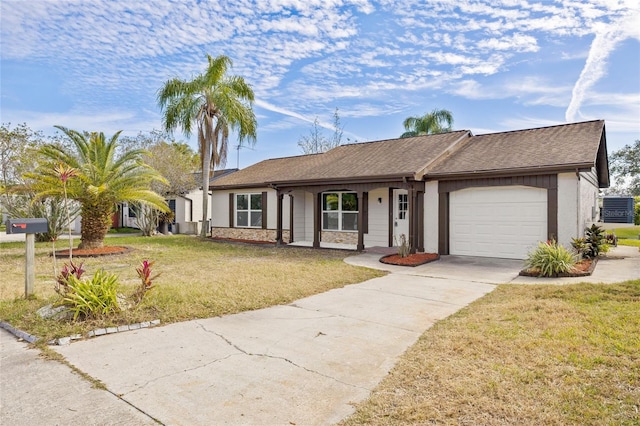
(305, 363)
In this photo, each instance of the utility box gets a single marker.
(617, 209)
(27, 226)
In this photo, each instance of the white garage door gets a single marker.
(502, 222)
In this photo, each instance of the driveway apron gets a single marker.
(305, 363)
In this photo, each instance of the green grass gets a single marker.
(124, 230)
(199, 279)
(633, 243)
(521, 355)
(630, 233)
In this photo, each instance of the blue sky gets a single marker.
(498, 65)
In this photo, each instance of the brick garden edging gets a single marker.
(61, 341)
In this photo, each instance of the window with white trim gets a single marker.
(249, 210)
(340, 211)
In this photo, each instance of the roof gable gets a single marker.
(565, 146)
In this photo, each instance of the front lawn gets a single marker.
(630, 233)
(521, 355)
(199, 279)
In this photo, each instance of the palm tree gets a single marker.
(428, 124)
(217, 103)
(101, 180)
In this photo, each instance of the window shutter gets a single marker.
(264, 210)
(232, 215)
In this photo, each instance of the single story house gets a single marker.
(494, 195)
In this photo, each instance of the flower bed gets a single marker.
(94, 252)
(415, 259)
(583, 268)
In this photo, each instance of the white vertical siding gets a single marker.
(220, 211)
(588, 199)
(567, 208)
(308, 216)
(299, 214)
(431, 201)
(378, 219)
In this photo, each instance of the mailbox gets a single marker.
(27, 226)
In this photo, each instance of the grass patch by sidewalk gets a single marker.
(521, 355)
(628, 242)
(199, 279)
(629, 233)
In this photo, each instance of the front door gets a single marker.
(400, 216)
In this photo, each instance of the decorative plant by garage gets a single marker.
(551, 259)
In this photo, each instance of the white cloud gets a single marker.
(607, 37)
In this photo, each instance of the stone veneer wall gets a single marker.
(250, 234)
(339, 237)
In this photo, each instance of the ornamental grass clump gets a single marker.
(551, 259)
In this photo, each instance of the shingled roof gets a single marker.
(564, 147)
(369, 160)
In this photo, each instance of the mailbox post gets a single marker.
(30, 227)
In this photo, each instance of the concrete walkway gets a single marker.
(305, 363)
(34, 391)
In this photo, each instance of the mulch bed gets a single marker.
(95, 252)
(583, 268)
(415, 259)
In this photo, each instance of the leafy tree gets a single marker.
(437, 121)
(624, 164)
(217, 103)
(316, 142)
(102, 180)
(175, 161)
(18, 147)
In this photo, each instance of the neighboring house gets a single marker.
(187, 210)
(494, 195)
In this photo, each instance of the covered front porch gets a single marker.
(325, 215)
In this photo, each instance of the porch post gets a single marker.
(420, 221)
(413, 216)
(290, 218)
(361, 212)
(316, 219)
(280, 197)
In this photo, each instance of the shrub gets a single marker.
(579, 245)
(595, 239)
(551, 259)
(611, 239)
(92, 297)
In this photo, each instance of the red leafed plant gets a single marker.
(61, 286)
(146, 280)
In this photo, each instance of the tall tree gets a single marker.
(316, 142)
(625, 166)
(101, 180)
(437, 121)
(216, 103)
